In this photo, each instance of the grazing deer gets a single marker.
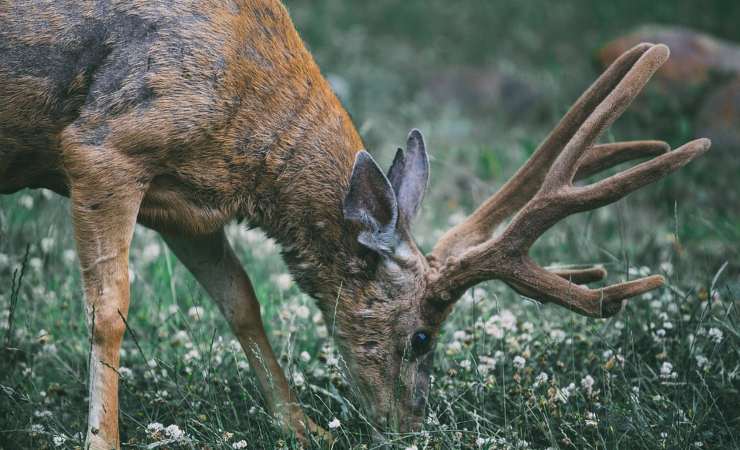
(185, 115)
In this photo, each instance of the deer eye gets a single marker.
(420, 342)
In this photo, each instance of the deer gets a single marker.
(184, 116)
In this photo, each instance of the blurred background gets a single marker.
(486, 80)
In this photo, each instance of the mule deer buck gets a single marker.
(183, 116)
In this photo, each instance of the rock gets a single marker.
(694, 57)
(719, 118)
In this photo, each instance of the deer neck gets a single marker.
(297, 193)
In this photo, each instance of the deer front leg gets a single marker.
(104, 214)
(213, 263)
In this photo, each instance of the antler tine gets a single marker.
(604, 156)
(614, 104)
(520, 188)
(505, 256)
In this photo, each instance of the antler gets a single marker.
(543, 193)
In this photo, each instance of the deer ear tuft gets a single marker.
(371, 203)
(409, 176)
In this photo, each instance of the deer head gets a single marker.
(396, 306)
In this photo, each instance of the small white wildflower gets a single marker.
(460, 335)
(196, 312)
(239, 444)
(26, 201)
(125, 373)
(587, 383)
(557, 335)
(591, 420)
(541, 379)
(454, 347)
(702, 361)
(35, 263)
(519, 362)
(667, 267)
(298, 379)
(564, 394)
(59, 440)
(334, 424)
(663, 435)
(69, 256)
(283, 281)
(305, 357)
(465, 364)
(154, 427)
(191, 356)
(42, 414)
(150, 253)
(174, 432)
(302, 311)
(4, 261)
(715, 334)
(47, 244)
(37, 428)
(666, 371)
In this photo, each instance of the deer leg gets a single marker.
(213, 263)
(104, 211)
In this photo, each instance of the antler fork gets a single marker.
(543, 193)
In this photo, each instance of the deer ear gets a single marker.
(371, 203)
(409, 175)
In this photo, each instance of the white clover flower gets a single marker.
(4, 261)
(174, 432)
(37, 428)
(42, 414)
(564, 394)
(454, 347)
(150, 253)
(715, 334)
(26, 201)
(591, 420)
(486, 364)
(334, 424)
(519, 362)
(239, 444)
(69, 256)
(196, 312)
(587, 383)
(667, 268)
(191, 356)
(302, 311)
(59, 440)
(305, 357)
(702, 361)
(298, 379)
(47, 244)
(283, 281)
(663, 435)
(557, 335)
(666, 371)
(460, 335)
(35, 263)
(125, 373)
(154, 427)
(481, 442)
(465, 364)
(541, 379)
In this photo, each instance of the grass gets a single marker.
(665, 373)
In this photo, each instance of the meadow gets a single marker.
(510, 373)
